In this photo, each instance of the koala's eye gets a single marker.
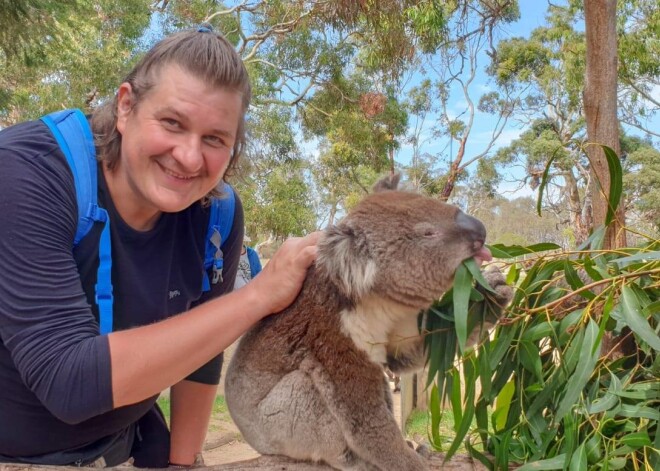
(426, 230)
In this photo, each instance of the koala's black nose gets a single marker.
(473, 227)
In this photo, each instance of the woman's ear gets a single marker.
(125, 105)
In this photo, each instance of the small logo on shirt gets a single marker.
(174, 293)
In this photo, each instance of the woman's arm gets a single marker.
(148, 359)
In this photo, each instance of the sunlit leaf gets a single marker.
(502, 405)
(556, 462)
(513, 274)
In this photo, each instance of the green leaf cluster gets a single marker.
(554, 392)
(91, 47)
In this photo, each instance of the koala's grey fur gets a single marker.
(308, 383)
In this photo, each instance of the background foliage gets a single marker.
(341, 87)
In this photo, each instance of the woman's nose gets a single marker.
(188, 154)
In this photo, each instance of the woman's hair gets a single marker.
(202, 53)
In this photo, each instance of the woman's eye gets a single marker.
(215, 141)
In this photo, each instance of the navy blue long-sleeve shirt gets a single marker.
(55, 380)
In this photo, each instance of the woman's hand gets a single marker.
(278, 284)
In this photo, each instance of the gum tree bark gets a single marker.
(600, 109)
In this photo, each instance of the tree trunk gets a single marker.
(454, 171)
(600, 109)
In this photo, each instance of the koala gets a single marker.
(309, 382)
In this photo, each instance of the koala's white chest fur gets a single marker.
(377, 326)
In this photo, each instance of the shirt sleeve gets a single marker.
(231, 249)
(46, 324)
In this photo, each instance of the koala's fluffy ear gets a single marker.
(346, 263)
(390, 182)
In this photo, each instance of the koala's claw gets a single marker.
(503, 293)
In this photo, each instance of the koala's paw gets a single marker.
(421, 449)
(503, 292)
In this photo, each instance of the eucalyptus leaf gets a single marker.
(436, 415)
(638, 257)
(636, 440)
(574, 281)
(590, 352)
(475, 271)
(530, 358)
(513, 274)
(503, 404)
(639, 411)
(603, 404)
(463, 425)
(545, 179)
(633, 317)
(616, 463)
(544, 329)
(616, 182)
(462, 288)
(595, 240)
(579, 459)
(511, 251)
(556, 462)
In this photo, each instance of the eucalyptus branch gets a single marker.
(647, 96)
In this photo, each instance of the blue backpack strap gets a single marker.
(220, 223)
(74, 136)
(255, 263)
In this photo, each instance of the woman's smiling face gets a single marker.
(176, 145)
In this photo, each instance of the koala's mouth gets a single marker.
(482, 254)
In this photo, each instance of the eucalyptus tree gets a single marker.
(600, 111)
(357, 130)
(25, 25)
(73, 62)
